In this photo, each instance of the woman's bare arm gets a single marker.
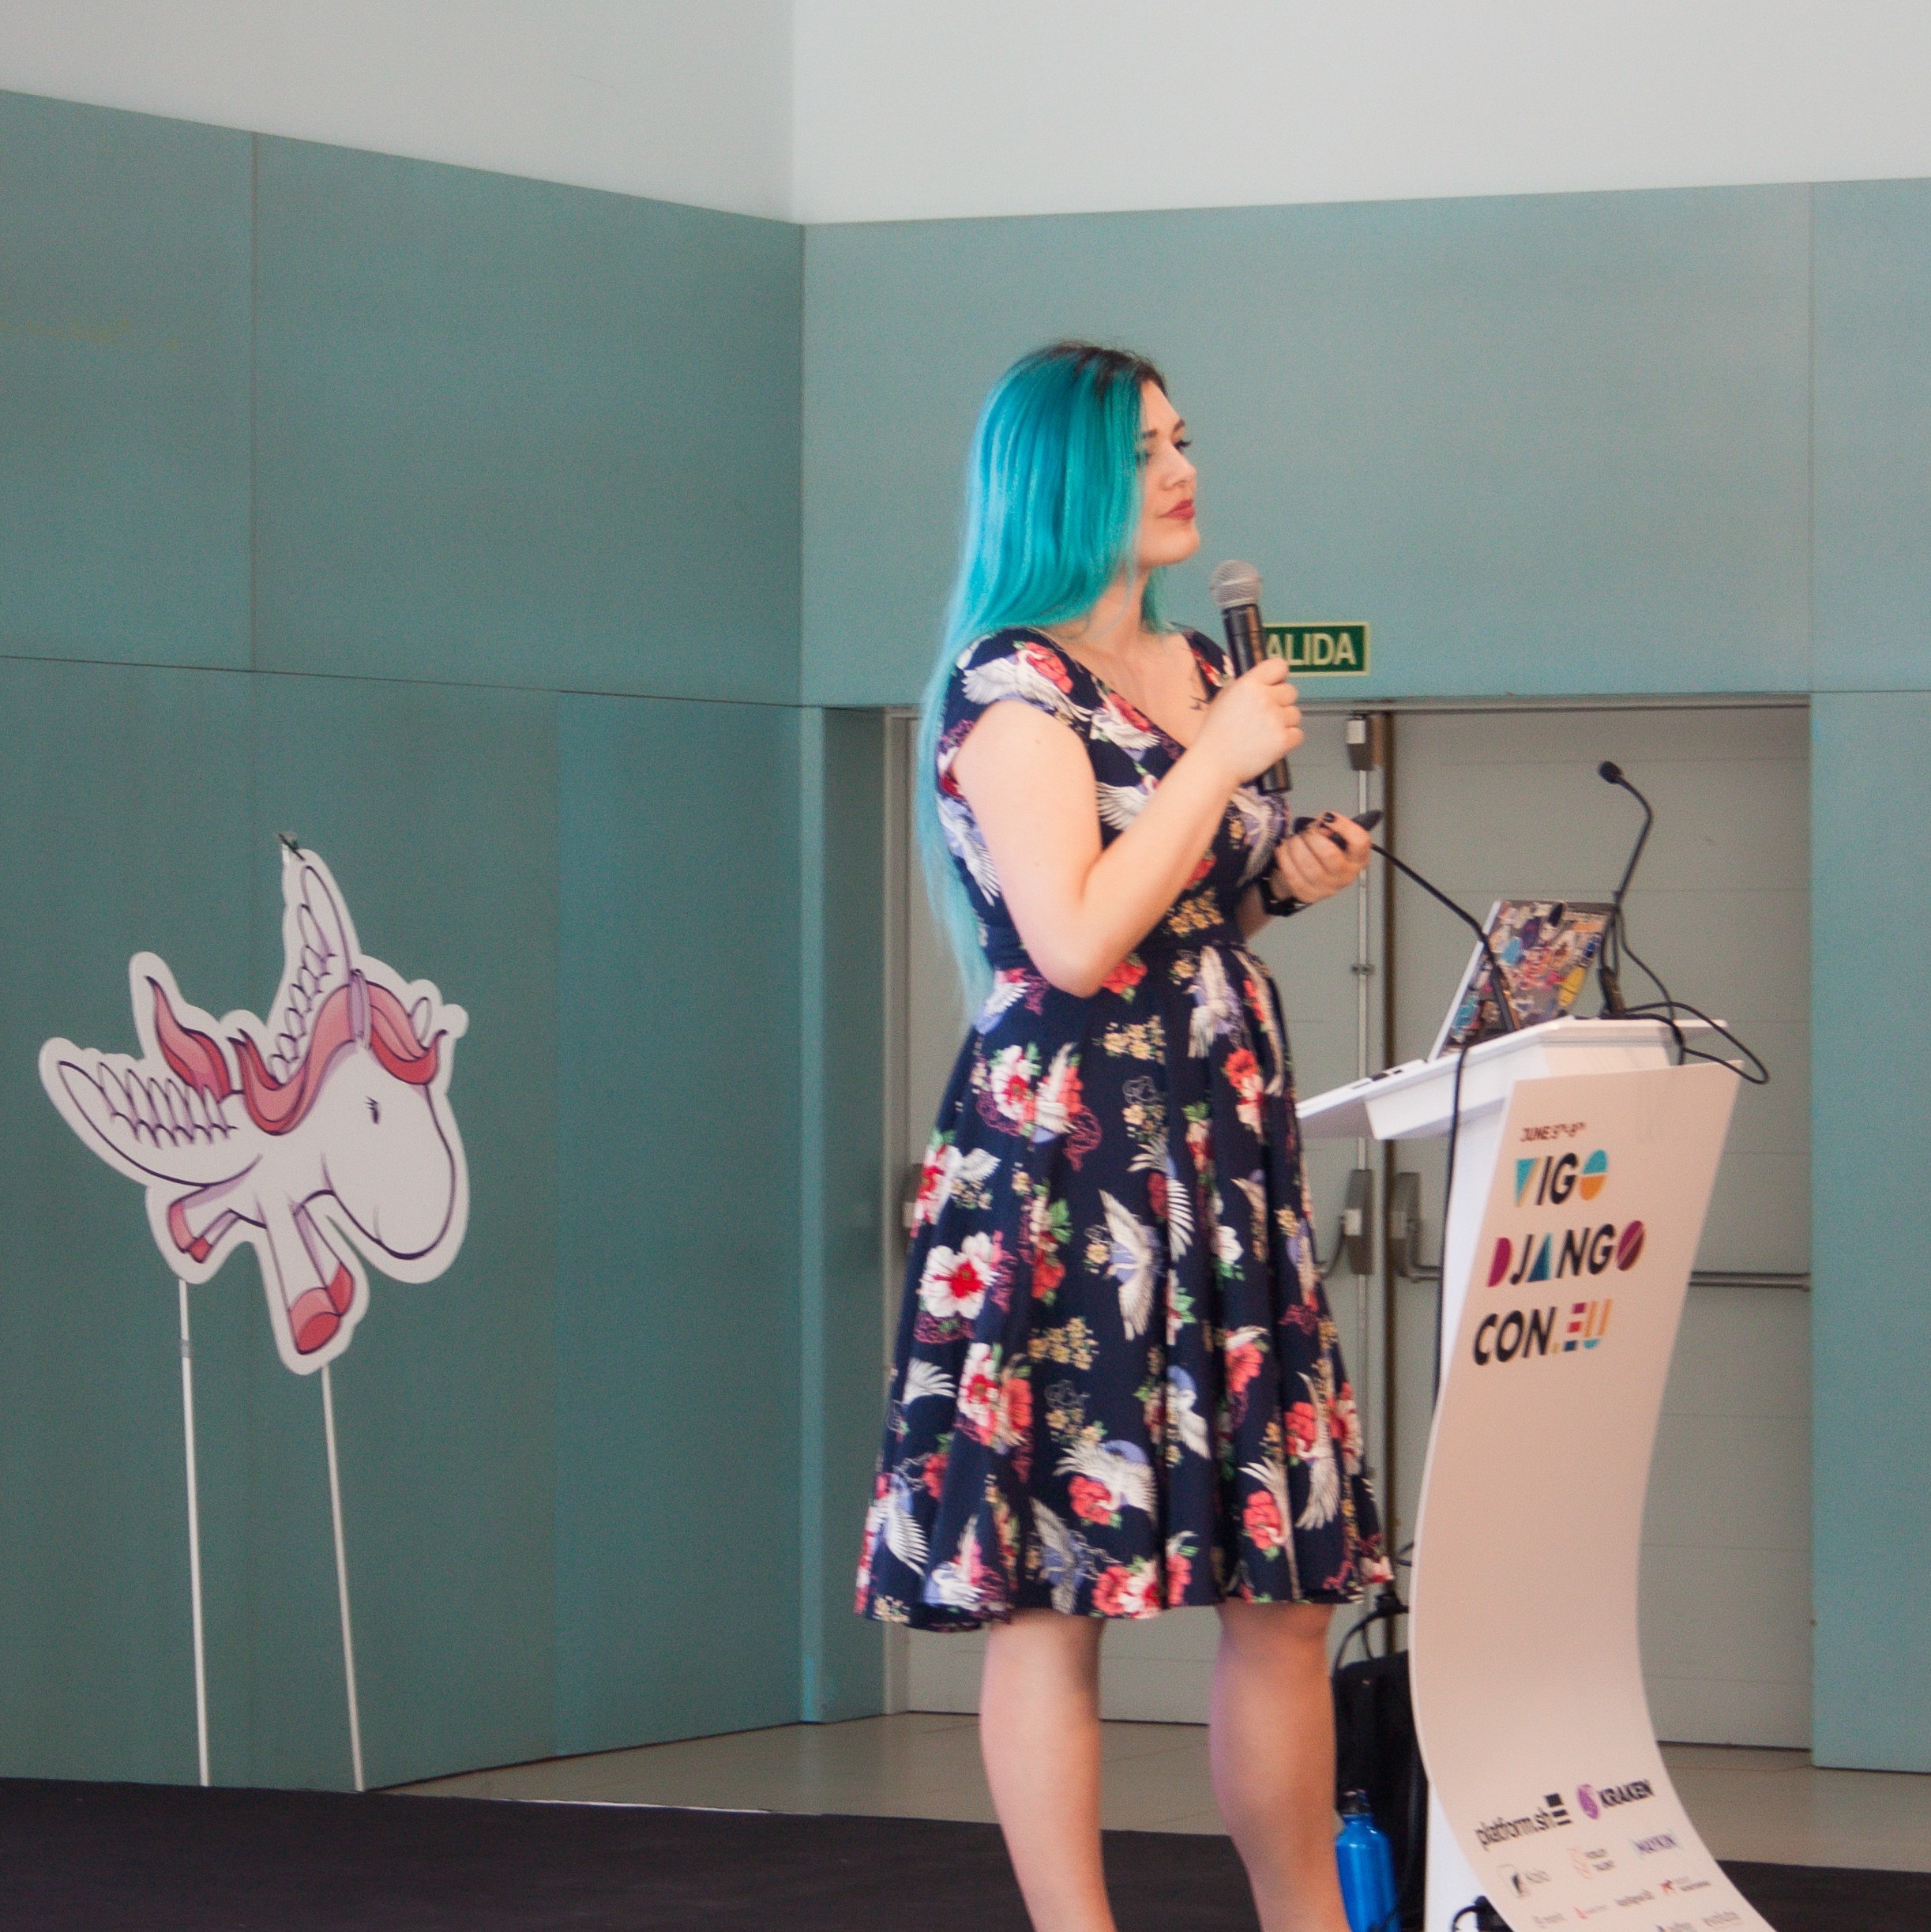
(1080, 907)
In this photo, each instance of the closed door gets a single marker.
(1489, 802)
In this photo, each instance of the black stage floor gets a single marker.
(132, 1858)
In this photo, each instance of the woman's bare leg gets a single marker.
(1273, 1759)
(1039, 1728)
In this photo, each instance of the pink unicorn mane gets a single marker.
(352, 1014)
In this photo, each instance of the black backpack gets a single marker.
(1376, 1750)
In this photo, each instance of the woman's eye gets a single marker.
(1183, 443)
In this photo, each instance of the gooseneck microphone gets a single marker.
(1609, 961)
(1236, 588)
(1497, 977)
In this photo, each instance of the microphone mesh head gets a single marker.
(1233, 583)
(1610, 770)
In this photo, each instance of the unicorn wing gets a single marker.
(318, 946)
(148, 1128)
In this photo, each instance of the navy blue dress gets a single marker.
(1117, 1387)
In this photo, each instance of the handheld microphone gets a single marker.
(1236, 588)
(1609, 961)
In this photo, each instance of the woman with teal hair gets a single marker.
(1117, 1387)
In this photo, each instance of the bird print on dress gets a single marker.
(1116, 1386)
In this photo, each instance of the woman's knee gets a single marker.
(1287, 1630)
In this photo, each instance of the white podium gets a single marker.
(1583, 1169)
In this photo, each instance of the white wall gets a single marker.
(684, 100)
(1033, 107)
(827, 111)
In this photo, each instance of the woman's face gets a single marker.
(1168, 533)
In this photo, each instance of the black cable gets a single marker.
(1756, 1074)
(1616, 946)
(1510, 1023)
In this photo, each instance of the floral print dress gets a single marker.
(1117, 1387)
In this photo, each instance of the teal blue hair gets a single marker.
(1053, 499)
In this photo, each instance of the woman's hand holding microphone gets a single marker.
(1254, 722)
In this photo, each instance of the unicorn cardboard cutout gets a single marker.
(322, 1137)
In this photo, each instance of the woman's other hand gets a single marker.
(1253, 723)
(1310, 866)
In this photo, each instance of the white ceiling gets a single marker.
(825, 111)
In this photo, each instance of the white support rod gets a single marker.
(341, 1579)
(194, 1536)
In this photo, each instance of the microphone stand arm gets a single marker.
(1609, 962)
(1497, 979)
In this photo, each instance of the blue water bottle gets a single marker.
(1367, 1867)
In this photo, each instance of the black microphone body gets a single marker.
(1236, 588)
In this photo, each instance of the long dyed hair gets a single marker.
(1052, 503)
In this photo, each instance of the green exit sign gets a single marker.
(1320, 650)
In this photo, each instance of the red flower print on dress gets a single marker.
(1244, 1072)
(1091, 1502)
(1262, 1521)
(955, 1280)
(934, 1179)
(1243, 1364)
(1008, 1080)
(1048, 665)
(1118, 1591)
(1125, 976)
(1058, 1099)
(1179, 1574)
(933, 1475)
(1302, 1427)
(1344, 1423)
(978, 1393)
(1016, 1407)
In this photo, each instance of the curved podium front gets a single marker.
(1583, 1165)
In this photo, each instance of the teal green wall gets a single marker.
(677, 1395)
(1871, 1059)
(391, 504)
(843, 857)
(1611, 444)
(511, 433)
(125, 370)
(1547, 444)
